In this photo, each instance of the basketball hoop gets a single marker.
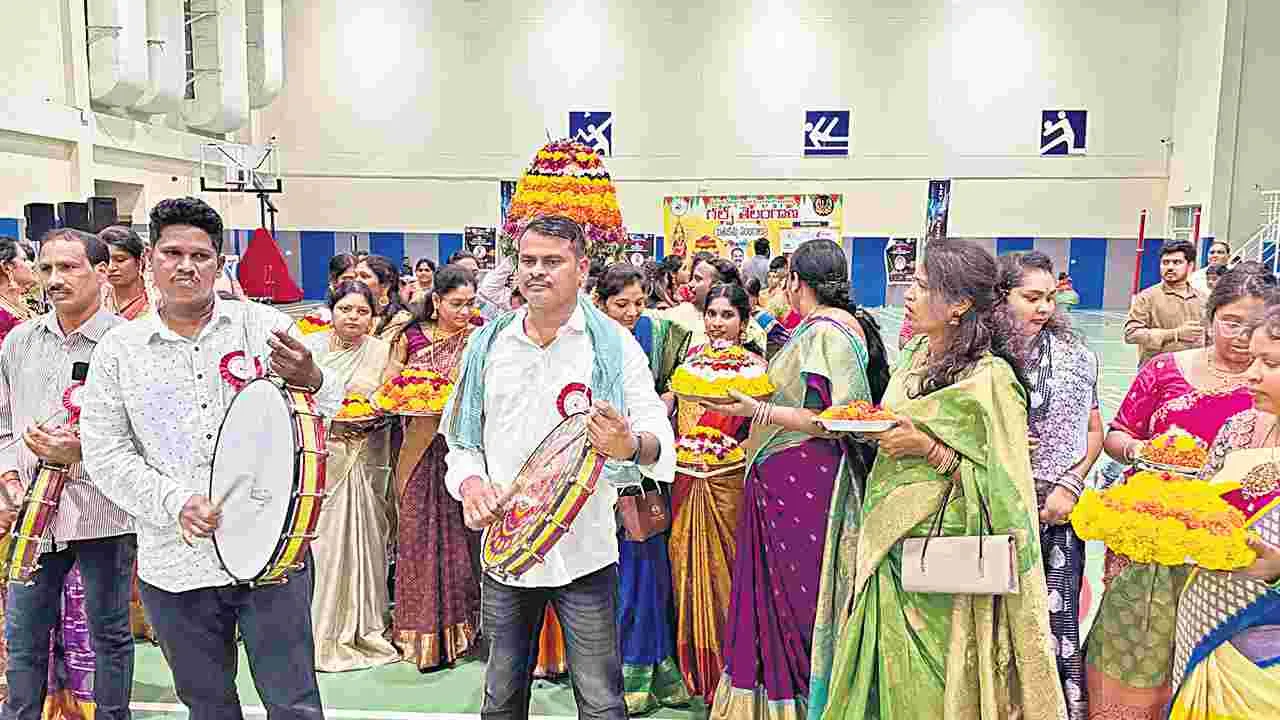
(227, 167)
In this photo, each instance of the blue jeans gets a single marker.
(106, 564)
(512, 619)
(197, 632)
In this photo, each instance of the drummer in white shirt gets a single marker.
(521, 375)
(157, 392)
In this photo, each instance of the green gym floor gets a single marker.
(399, 691)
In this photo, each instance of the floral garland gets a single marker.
(1158, 518)
(356, 407)
(415, 391)
(709, 447)
(568, 178)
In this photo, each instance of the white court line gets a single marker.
(258, 710)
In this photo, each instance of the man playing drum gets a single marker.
(522, 374)
(157, 394)
(36, 404)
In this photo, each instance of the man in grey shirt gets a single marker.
(757, 266)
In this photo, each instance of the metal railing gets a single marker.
(1262, 245)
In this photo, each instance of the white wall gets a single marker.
(1257, 149)
(402, 114)
(1201, 28)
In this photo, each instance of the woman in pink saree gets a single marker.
(1130, 651)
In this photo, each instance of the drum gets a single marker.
(38, 508)
(268, 477)
(548, 493)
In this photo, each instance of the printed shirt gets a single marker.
(35, 373)
(524, 387)
(150, 423)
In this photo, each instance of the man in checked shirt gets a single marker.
(35, 370)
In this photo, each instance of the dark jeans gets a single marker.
(197, 632)
(106, 564)
(512, 618)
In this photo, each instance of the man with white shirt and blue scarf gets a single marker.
(520, 377)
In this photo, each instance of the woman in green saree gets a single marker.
(961, 401)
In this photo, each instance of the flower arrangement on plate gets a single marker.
(313, 323)
(1176, 451)
(706, 448)
(717, 369)
(568, 178)
(356, 408)
(857, 416)
(1165, 519)
(414, 392)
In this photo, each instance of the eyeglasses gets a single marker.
(1231, 328)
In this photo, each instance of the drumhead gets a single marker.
(256, 442)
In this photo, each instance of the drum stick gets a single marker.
(217, 504)
(40, 425)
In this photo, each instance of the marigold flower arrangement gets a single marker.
(716, 370)
(1176, 448)
(568, 178)
(308, 324)
(1163, 519)
(857, 410)
(414, 392)
(707, 447)
(356, 407)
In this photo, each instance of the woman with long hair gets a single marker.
(1066, 428)
(1129, 660)
(645, 628)
(790, 583)
(960, 398)
(1228, 623)
(350, 549)
(17, 278)
(704, 514)
(437, 589)
(383, 278)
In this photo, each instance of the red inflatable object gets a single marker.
(264, 273)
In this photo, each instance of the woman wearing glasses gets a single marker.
(1130, 653)
(437, 591)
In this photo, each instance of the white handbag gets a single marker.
(983, 564)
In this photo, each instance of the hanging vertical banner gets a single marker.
(728, 225)
(900, 260)
(483, 243)
(937, 209)
(506, 191)
(639, 248)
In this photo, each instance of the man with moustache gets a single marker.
(1168, 317)
(158, 390)
(36, 362)
(522, 375)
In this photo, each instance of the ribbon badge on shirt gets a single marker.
(235, 369)
(574, 398)
(70, 403)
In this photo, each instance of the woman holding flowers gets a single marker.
(704, 515)
(437, 589)
(350, 548)
(651, 677)
(961, 403)
(1063, 418)
(1228, 624)
(799, 520)
(1130, 653)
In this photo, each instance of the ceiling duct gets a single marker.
(265, 25)
(166, 58)
(116, 40)
(220, 66)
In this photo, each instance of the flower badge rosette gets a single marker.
(568, 178)
(705, 450)
(1174, 451)
(415, 391)
(1165, 519)
(717, 369)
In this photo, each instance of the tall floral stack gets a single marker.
(568, 178)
